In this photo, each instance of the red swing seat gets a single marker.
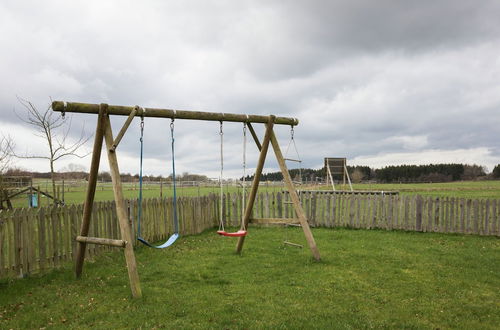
(239, 233)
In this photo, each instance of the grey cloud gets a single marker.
(300, 38)
(363, 77)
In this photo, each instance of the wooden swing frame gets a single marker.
(104, 132)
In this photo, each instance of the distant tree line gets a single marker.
(429, 173)
(75, 175)
(312, 175)
(102, 176)
(127, 177)
(388, 174)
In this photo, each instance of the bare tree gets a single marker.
(6, 145)
(54, 129)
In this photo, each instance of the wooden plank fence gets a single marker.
(34, 240)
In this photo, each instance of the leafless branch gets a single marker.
(6, 147)
(55, 131)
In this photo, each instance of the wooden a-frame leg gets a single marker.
(121, 133)
(89, 198)
(256, 180)
(121, 211)
(254, 135)
(295, 198)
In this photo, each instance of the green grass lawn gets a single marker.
(366, 279)
(460, 189)
(76, 195)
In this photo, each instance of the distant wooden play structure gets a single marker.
(338, 166)
(13, 186)
(104, 132)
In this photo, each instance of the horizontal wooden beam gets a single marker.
(350, 192)
(101, 241)
(169, 113)
(293, 244)
(274, 221)
(293, 160)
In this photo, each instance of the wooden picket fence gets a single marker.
(34, 240)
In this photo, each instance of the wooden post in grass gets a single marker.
(295, 198)
(121, 210)
(90, 193)
(104, 130)
(418, 218)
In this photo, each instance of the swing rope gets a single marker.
(139, 215)
(291, 143)
(222, 231)
(175, 235)
(243, 204)
(174, 181)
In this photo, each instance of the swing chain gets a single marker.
(221, 133)
(292, 132)
(172, 136)
(244, 147)
(63, 113)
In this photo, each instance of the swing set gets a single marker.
(104, 133)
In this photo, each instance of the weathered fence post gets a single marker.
(418, 220)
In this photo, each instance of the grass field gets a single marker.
(366, 279)
(75, 194)
(461, 189)
(464, 189)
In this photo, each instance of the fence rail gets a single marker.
(35, 240)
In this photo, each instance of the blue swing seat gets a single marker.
(169, 242)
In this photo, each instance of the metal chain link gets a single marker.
(142, 128)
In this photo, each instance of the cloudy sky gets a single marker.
(379, 82)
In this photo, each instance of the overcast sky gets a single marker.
(379, 82)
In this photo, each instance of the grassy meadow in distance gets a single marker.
(75, 192)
